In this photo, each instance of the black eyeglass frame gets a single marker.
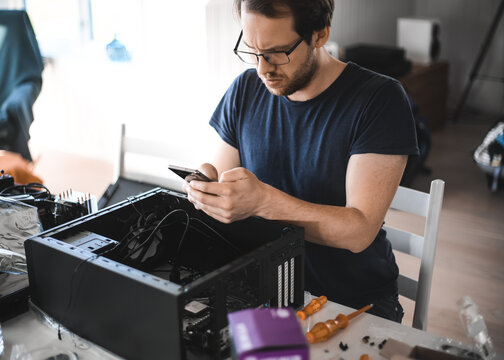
(257, 55)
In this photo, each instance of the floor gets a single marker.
(470, 251)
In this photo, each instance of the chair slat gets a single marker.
(407, 287)
(412, 201)
(404, 241)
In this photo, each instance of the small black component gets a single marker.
(371, 343)
(382, 344)
(365, 339)
(455, 350)
(342, 346)
(326, 350)
(6, 180)
(59, 357)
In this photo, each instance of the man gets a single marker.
(315, 142)
(20, 80)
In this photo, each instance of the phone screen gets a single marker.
(188, 174)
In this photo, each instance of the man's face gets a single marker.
(261, 34)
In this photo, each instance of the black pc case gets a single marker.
(170, 298)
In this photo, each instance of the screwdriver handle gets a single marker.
(314, 306)
(322, 331)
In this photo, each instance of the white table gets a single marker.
(378, 329)
(29, 330)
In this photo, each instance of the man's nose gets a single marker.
(264, 67)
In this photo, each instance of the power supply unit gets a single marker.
(152, 277)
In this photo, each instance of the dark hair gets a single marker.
(309, 15)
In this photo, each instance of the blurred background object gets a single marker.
(117, 51)
(20, 81)
(420, 38)
(19, 168)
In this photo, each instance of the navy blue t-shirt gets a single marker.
(303, 149)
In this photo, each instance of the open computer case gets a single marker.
(151, 277)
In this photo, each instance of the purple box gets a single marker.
(267, 334)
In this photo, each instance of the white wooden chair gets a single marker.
(152, 165)
(423, 247)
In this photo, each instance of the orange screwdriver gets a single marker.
(324, 330)
(314, 306)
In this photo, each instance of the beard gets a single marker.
(299, 80)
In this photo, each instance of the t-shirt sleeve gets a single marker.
(386, 125)
(224, 117)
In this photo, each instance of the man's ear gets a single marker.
(319, 38)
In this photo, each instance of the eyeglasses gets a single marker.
(272, 57)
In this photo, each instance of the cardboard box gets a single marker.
(271, 334)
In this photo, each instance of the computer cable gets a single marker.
(229, 243)
(71, 296)
(32, 189)
(157, 227)
(130, 200)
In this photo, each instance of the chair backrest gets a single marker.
(423, 247)
(161, 153)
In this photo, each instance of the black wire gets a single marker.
(130, 200)
(70, 298)
(120, 242)
(56, 203)
(25, 187)
(230, 244)
(135, 236)
(175, 262)
(128, 238)
(146, 248)
(238, 250)
(157, 226)
(142, 230)
(138, 227)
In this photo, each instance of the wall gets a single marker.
(464, 24)
(368, 21)
(161, 94)
(222, 31)
(11, 4)
(86, 94)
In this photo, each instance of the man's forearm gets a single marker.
(335, 226)
(371, 182)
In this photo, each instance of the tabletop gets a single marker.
(363, 335)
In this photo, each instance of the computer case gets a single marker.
(153, 278)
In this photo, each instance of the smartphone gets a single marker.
(188, 174)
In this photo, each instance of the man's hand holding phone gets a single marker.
(237, 195)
